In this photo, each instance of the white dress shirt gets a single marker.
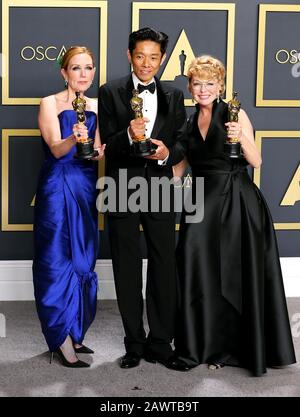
(149, 110)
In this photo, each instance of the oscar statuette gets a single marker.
(141, 145)
(232, 146)
(84, 146)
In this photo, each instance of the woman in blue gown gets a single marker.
(65, 224)
(233, 309)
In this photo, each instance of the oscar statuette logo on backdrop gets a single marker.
(175, 70)
(280, 149)
(190, 28)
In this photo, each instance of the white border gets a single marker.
(16, 279)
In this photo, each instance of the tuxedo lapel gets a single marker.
(163, 100)
(125, 92)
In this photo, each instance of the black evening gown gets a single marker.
(233, 307)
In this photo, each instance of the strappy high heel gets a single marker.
(65, 362)
(214, 366)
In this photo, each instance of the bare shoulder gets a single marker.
(48, 101)
(246, 124)
(244, 118)
(48, 108)
(242, 112)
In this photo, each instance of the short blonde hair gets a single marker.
(206, 66)
(75, 50)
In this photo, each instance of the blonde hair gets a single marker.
(75, 50)
(206, 66)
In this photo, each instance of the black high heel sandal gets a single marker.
(214, 366)
(65, 362)
(83, 349)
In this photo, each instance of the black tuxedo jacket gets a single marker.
(115, 114)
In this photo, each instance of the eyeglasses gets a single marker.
(209, 85)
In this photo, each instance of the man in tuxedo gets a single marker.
(165, 121)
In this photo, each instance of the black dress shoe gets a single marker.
(130, 360)
(83, 349)
(172, 362)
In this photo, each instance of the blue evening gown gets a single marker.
(66, 241)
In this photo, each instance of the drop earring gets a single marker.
(66, 83)
(218, 98)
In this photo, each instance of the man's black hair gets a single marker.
(148, 34)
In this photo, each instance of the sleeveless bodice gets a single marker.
(67, 118)
(209, 153)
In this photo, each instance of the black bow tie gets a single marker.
(150, 87)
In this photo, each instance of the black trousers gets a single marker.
(161, 288)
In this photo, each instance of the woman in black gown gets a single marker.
(233, 308)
